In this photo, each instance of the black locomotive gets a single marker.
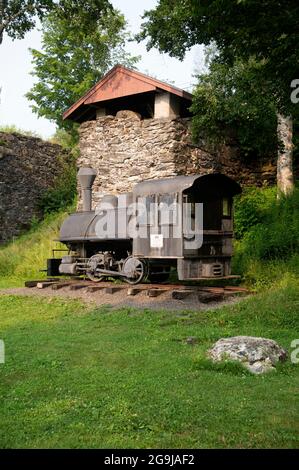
(184, 222)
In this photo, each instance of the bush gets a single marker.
(267, 242)
(272, 227)
(251, 208)
(64, 190)
(12, 129)
(67, 140)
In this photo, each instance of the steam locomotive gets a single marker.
(184, 222)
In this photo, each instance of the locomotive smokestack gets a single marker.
(86, 177)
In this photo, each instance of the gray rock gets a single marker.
(258, 355)
(127, 114)
(260, 367)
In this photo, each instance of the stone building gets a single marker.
(134, 127)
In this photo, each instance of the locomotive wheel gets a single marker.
(135, 269)
(95, 278)
(91, 269)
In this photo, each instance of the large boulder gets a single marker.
(128, 114)
(258, 355)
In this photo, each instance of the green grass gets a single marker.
(76, 377)
(259, 275)
(12, 129)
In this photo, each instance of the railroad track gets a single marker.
(176, 291)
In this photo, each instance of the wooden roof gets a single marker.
(120, 82)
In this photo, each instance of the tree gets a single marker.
(17, 17)
(230, 102)
(266, 30)
(73, 59)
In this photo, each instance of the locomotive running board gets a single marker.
(214, 278)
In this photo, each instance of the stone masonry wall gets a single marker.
(28, 167)
(125, 150)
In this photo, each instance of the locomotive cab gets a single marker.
(213, 258)
(199, 235)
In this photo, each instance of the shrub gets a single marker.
(67, 140)
(274, 235)
(251, 208)
(12, 129)
(267, 245)
(64, 190)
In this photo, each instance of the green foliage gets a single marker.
(230, 104)
(12, 129)
(17, 17)
(26, 256)
(274, 232)
(170, 27)
(267, 230)
(78, 377)
(277, 238)
(64, 190)
(67, 140)
(251, 208)
(75, 56)
(240, 30)
(260, 274)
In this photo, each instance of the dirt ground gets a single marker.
(121, 299)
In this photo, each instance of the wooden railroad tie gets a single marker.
(133, 291)
(95, 288)
(44, 284)
(60, 285)
(181, 294)
(112, 290)
(78, 286)
(155, 292)
(206, 297)
(34, 283)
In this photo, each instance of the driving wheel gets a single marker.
(134, 269)
(92, 265)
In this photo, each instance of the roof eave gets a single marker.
(157, 83)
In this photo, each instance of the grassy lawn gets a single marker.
(76, 377)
